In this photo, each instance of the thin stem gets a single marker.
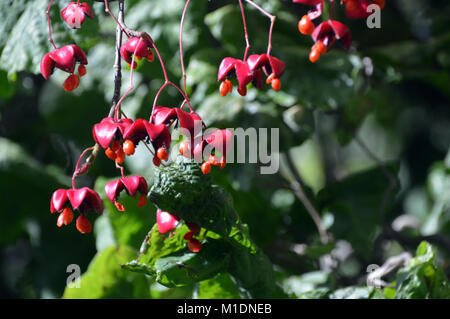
(121, 169)
(166, 79)
(50, 25)
(386, 172)
(121, 25)
(331, 9)
(76, 172)
(166, 83)
(247, 42)
(181, 46)
(297, 188)
(272, 22)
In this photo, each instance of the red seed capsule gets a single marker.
(223, 88)
(156, 161)
(230, 85)
(81, 70)
(128, 147)
(120, 156)
(71, 83)
(222, 162)
(314, 56)
(83, 225)
(320, 47)
(65, 218)
(184, 148)
(194, 245)
(110, 154)
(276, 84)
(150, 56)
(206, 168)
(142, 201)
(188, 235)
(305, 26)
(162, 154)
(119, 206)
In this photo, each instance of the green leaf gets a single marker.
(222, 286)
(185, 267)
(182, 189)
(106, 279)
(422, 277)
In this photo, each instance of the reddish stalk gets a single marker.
(181, 46)
(75, 173)
(50, 25)
(166, 83)
(272, 22)
(114, 17)
(247, 42)
(121, 169)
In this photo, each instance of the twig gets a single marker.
(297, 188)
(247, 42)
(386, 172)
(181, 46)
(50, 25)
(391, 264)
(272, 22)
(117, 81)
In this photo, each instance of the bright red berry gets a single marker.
(230, 85)
(188, 235)
(314, 56)
(184, 148)
(142, 201)
(194, 228)
(83, 225)
(150, 56)
(71, 83)
(351, 5)
(120, 156)
(320, 47)
(119, 207)
(81, 70)
(128, 147)
(222, 162)
(194, 245)
(305, 26)
(213, 160)
(276, 84)
(270, 78)
(224, 89)
(156, 161)
(65, 218)
(162, 154)
(206, 168)
(110, 154)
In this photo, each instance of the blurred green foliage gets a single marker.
(349, 122)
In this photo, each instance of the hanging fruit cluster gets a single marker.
(326, 33)
(119, 135)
